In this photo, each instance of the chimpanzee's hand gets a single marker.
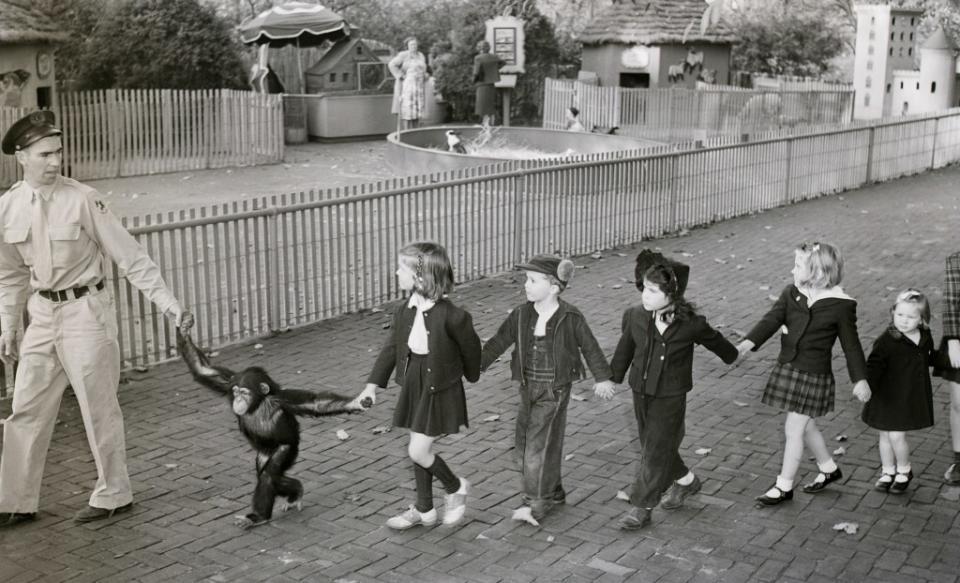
(186, 321)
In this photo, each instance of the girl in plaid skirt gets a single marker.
(810, 314)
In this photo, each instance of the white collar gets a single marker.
(419, 302)
(833, 292)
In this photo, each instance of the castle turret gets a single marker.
(937, 72)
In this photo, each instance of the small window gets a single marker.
(873, 35)
(901, 36)
(918, 85)
(359, 50)
(911, 23)
(866, 100)
(888, 88)
(891, 51)
(873, 20)
(345, 77)
(909, 51)
(893, 36)
(911, 36)
(870, 50)
(933, 87)
(333, 77)
(893, 21)
(868, 81)
(869, 65)
(901, 85)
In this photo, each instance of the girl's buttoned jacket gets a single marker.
(453, 343)
(809, 332)
(672, 373)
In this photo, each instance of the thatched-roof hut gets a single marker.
(655, 43)
(27, 37)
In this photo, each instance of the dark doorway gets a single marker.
(635, 80)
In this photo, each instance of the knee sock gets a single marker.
(440, 471)
(784, 484)
(424, 481)
(902, 472)
(687, 479)
(888, 470)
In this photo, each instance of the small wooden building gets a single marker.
(349, 65)
(27, 41)
(655, 43)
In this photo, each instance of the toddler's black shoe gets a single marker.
(883, 484)
(901, 487)
(774, 500)
(817, 485)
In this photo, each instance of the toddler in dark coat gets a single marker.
(899, 376)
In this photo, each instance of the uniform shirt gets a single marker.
(82, 231)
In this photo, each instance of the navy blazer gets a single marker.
(807, 343)
(453, 344)
(673, 376)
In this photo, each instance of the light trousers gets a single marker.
(66, 343)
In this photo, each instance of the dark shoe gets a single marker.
(901, 487)
(774, 500)
(11, 519)
(677, 493)
(883, 484)
(952, 475)
(559, 496)
(636, 519)
(92, 513)
(817, 485)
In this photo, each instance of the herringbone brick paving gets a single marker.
(193, 472)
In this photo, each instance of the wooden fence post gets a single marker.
(869, 177)
(933, 149)
(519, 199)
(273, 257)
(674, 194)
(789, 173)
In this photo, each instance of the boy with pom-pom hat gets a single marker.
(549, 336)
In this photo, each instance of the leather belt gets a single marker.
(62, 295)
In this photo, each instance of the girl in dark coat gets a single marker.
(899, 377)
(432, 345)
(810, 314)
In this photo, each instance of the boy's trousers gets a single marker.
(660, 421)
(541, 424)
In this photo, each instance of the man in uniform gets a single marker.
(54, 236)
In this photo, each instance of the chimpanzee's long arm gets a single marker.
(214, 377)
(316, 403)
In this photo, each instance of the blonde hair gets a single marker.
(916, 298)
(823, 264)
(433, 273)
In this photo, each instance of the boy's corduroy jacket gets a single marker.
(573, 338)
(453, 343)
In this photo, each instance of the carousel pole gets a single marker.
(303, 83)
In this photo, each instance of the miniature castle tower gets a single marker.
(885, 39)
(938, 68)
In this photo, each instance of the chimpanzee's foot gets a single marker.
(250, 521)
(295, 504)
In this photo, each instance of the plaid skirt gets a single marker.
(798, 391)
(420, 410)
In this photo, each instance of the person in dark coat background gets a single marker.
(486, 72)
(899, 376)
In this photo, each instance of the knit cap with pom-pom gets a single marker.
(565, 271)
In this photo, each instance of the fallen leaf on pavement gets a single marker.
(839, 451)
(847, 527)
(703, 451)
(381, 429)
(621, 495)
(342, 435)
(492, 418)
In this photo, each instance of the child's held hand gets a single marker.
(861, 390)
(604, 390)
(953, 352)
(368, 392)
(745, 347)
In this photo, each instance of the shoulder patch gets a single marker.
(101, 206)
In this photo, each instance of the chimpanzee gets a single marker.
(267, 416)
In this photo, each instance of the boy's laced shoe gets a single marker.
(677, 493)
(636, 519)
(455, 505)
(413, 517)
(952, 475)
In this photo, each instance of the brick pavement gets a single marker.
(192, 471)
